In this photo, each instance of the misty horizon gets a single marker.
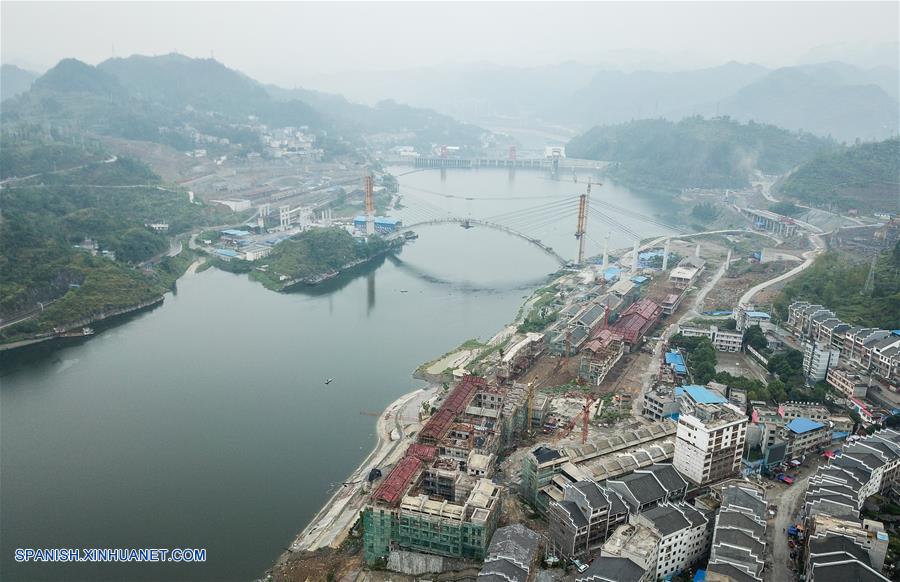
(671, 36)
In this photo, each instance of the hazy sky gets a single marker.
(289, 43)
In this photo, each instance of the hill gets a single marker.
(15, 81)
(168, 99)
(46, 220)
(178, 82)
(428, 127)
(865, 176)
(615, 96)
(836, 282)
(693, 153)
(825, 100)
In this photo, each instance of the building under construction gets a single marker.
(439, 497)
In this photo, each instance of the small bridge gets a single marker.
(467, 222)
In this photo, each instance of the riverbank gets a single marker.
(106, 317)
(396, 428)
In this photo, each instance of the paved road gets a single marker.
(809, 258)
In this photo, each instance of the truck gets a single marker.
(785, 478)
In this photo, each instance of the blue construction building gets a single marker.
(383, 224)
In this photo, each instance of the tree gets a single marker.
(755, 338)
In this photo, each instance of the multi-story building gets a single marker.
(709, 440)
(804, 436)
(848, 383)
(867, 534)
(745, 317)
(868, 466)
(722, 340)
(512, 555)
(684, 536)
(438, 498)
(613, 569)
(660, 403)
(817, 358)
(546, 471)
(581, 522)
(637, 543)
(646, 488)
(739, 538)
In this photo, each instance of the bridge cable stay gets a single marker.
(567, 206)
(474, 198)
(537, 222)
(535, 210)
(637, 215)
(610, 221)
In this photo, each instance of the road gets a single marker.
(788, 504)
(668, 332)
(809, 258)
(109, 160)
(330, 526)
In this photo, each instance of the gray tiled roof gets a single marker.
(611, 569)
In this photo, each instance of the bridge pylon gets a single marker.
(370, 204)
(581, 227)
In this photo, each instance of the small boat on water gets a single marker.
(328, 381)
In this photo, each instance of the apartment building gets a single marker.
(848, 383)
(646, 488)
(818, 357)
(684, 536)
(739, 537)
(804, 436)
(709, 440)
(581, 522)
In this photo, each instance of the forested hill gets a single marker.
(865, 176)
(87, 195)
(835, 282)
(657, 154)
(167, 98)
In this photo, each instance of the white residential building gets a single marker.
(709, 440)
(684, 536)
(817, 358)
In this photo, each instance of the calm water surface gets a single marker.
(206, 422)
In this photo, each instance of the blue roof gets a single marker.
(226, 253)
(639, 279)
(611, 273)
(701, 394)
(235, 232)
(675, 360)
(802, 425)
(759, 314)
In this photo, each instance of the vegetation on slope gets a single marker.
(44, 218)
(694, 153)
(864, 176)
(315, 253)
(837, 283)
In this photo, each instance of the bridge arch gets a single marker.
(492, 225)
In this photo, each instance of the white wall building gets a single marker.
(709, 440)
(817, 358)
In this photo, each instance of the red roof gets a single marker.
(392, 489)
(453, 405)
(637, 319)
(423, 452)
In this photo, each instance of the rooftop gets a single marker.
(803, 425)
(700, 394)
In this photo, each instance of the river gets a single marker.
(207, 423)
